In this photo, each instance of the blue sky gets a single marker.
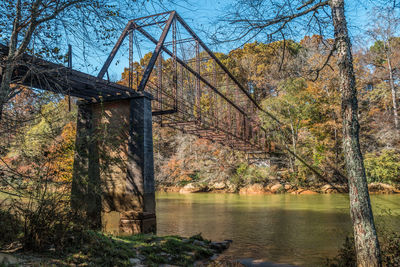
(202, 16)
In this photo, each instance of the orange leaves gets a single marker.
(176, 170)
(60, 154)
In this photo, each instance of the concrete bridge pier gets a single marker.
(113, 180)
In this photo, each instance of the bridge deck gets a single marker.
(192, 90)
(42, 74)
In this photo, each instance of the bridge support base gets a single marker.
(113, 180)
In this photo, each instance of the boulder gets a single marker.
(308, 192)
(287, 187)
(327, 188)
(193, 188)
(218, 186)
(276, 188)
(8, 260)
(134, 261)
(199, 243)
(252, 189)
(298, 191)
(168, 189)
(220, 246)
(291, 190)
(382, 188)
(230, 187)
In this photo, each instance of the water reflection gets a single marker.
(301, 230)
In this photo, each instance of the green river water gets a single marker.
(301, 230)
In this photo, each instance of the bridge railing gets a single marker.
(193, 90)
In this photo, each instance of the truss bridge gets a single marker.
(170, 77)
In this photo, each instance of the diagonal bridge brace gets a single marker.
(132, 26)
(234, 100)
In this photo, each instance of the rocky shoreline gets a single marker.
(272, 188)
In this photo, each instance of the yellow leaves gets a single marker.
(373, 111)
(69, 132)
(61, 154)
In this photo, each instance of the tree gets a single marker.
(253, 18)
(292, 106)
(385, 25)
(44, 27)
(366, 240)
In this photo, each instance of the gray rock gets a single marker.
(193, 188)
(8, 259)
(219, 186)
(141, 257)
(198, 243)
(220, 246)
(135, 261)
(214, 257)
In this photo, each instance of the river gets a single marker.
(301, 230)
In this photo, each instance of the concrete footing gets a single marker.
(113, 180)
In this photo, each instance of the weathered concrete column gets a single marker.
(113, 181)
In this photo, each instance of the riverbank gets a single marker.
(272, 188)
(299, 230)
(97, 249)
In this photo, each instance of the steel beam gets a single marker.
(156, 52)
(114, 51)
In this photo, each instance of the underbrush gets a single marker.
(39, 221)
(91, 248)
(101, 250)
(47, 228)
(10, 228)
(390, 251)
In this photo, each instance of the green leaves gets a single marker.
(383, 167)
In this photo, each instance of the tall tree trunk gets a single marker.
(5, 87)
(393, 89)
(8, 67)
(366, 240)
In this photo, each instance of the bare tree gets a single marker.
(385, 25)
(253, 19)
(44, 27)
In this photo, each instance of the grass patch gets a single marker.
(96, 249)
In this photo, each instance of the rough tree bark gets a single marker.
(283, 13)
(366, 240)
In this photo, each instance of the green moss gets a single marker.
(101, 250)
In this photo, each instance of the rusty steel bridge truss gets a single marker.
(193, 90)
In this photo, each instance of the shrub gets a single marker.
(10, 227)
(390, 247)
(42, 214)
(346, 256)
(49, 220)
(383, 167)
(250, 174)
